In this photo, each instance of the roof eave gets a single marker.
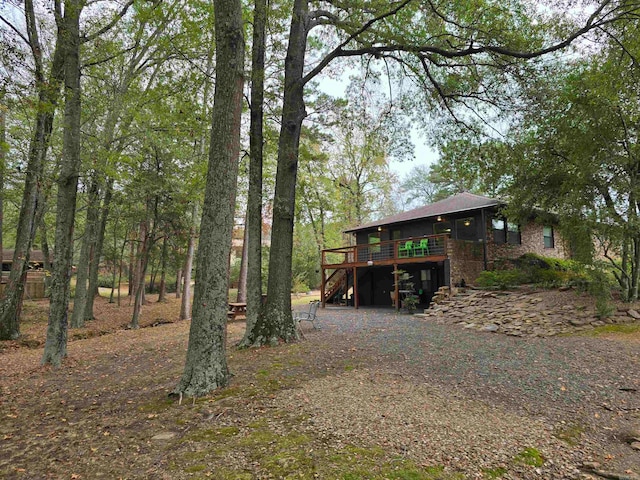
(450, 212)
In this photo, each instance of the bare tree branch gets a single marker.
(111, 24)
(15, 29)
(337, 52)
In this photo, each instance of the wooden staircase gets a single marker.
(337, 281)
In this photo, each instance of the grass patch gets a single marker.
(357, 463)
(496, 472)
(530, 456)
(156, 406)
(569, 433)
(212, 435)
(626, 329)
(297, 300)
(290, 454)
(195, 468)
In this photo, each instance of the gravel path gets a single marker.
(496, 388)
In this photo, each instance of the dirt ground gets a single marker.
(372, 394)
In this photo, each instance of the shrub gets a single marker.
(170, 285)
(105, 281)
(599, 286)
(531, 268)
(502, 279)
(299, 284)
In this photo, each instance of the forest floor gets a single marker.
(371, 395)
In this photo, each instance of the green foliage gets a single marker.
(234, 270)
(608, 329)
(105, 281)
(534, 269)
(410, 303)
(299, 283)
(306, 260)
(599, 286)
(570, 433)
(552, 273)
(530, 456)
(170, 285)
(501, 279)
(493, 473)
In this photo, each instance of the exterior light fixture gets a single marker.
(379, 229)
(439, 218)
(370, 263)
(467, 223)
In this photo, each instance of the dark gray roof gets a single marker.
(35, 256)
(461, 202)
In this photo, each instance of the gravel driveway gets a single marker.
(491, 396)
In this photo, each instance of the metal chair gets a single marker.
(309, 316)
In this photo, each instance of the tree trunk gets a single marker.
(241, 297)
(185, 305)
(48, 96)
(120, 271)
(55, 348)
(635, 275)
(137, 262)
(131, 269)
(154, 272)
(47, 258)
(206, 364)
(141, 270)
(277, 322)
(253, 224)
(3, 150)
(162, 295)
(82, 268)
(179, 283)
(97, 252)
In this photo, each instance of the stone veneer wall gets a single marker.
(467, 261)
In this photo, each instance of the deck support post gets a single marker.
(356, 303)
(396, 285)
(322, 287)
(484, 239)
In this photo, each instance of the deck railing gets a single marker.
(427, 246)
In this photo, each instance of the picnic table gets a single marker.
(237, 310)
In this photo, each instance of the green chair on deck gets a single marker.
(405, 250)
(422, 249)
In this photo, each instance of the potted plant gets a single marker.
(410, 300)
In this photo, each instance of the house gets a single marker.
(35, 286)
(445, 243)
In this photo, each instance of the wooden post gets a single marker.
(322, 287)
(484, 239)
(396, 285)
(355, 288)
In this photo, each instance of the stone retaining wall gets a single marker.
(520, 314)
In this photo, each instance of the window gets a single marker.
(505, 232)
(441, 227)
(466, 229)
(497, 225)
(513, 233)
(547, 234)
(374, 240)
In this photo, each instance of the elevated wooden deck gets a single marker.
(430, 248)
